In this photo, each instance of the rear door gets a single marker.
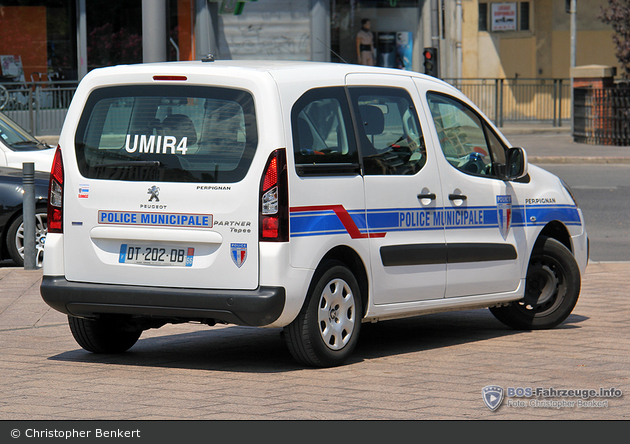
(403, 194)
(158, 191)
(327, 196)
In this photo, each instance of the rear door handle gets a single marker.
(457, 197)
(431, 196)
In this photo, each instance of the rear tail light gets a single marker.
(55, 195)
(274, 199)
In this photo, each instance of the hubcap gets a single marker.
(544, 287)
(336, 315)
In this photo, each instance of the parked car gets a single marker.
(11, 220)
(18, 146)
(308, 196)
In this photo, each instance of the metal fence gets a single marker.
(520, 100)
(602, 116)
(39, 107)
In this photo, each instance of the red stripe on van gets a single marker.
(343, 216)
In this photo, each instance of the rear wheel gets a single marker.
(103, 335)
(326, 330)
(552, 288)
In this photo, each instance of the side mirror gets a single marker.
(515, 164)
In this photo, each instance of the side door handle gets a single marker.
(457, 197)
(431, 196)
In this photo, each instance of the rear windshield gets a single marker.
(167, 133)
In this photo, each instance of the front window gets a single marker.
(171, 134)
(16, 138)
(467, 143)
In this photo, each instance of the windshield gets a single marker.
(17, 138)
(167, 133)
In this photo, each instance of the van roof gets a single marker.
(279, 69)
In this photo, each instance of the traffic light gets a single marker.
(430, 61)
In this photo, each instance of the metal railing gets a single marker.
(520, 100)
(602, 116)
(41, 107)
(38, 107)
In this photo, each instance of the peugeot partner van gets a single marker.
(309, 196)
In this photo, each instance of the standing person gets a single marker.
(365, 44)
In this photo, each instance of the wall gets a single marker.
(516, 57)
(23, 33)
(542, 52)
(268, 30)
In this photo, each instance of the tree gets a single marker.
(617, 14)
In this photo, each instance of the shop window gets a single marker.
(37, 40)
(394, 23)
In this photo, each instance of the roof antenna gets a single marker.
(331, 50)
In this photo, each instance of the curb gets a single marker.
(578, 160)
(523, 131)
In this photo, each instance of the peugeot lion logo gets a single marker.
(154, 191)
(492, 396)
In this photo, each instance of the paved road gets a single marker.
(431, 367)
(602, 192)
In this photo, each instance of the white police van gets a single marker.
(301, 195)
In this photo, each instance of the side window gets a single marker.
(466, 141)
(389, 131)
(323, 139)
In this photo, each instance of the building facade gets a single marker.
(531, 39)
(64, 39)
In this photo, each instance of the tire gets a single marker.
(327, 328)
(103, 336)
(4, 97)
(552, 288)
(15, 238)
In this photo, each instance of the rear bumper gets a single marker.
(258, 307)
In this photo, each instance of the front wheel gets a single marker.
(103, 335)
(15, 238)
(552, 288)
(326, 330)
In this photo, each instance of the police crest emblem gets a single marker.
(492, 396)
(504, 214)
(238, 253)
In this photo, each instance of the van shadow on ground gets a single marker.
(256, 350)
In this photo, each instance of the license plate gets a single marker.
(156, 255)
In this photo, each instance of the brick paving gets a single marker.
(430, 367)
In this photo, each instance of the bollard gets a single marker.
(28, 215)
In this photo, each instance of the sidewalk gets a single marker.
(548, 144)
